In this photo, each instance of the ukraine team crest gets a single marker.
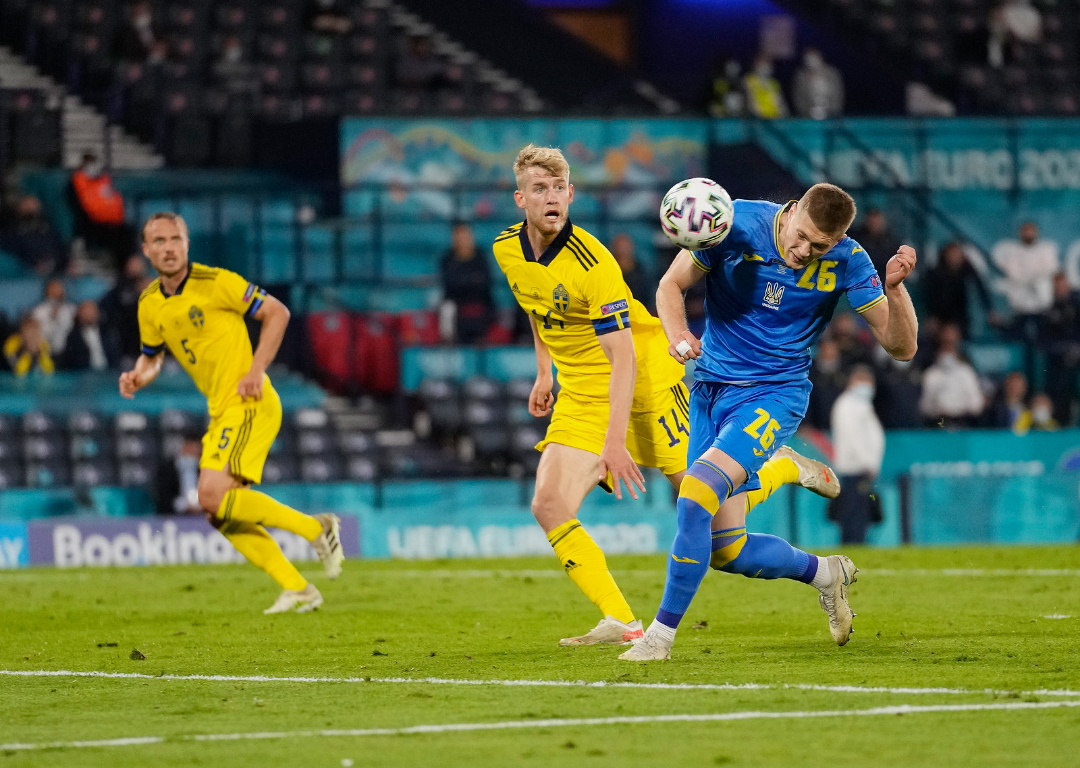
(561, 297)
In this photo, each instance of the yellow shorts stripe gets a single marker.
(237, 452)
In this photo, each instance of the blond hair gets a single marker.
(175, 218)
(830, 208)
(547, 159)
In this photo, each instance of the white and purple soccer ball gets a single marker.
(696, 214)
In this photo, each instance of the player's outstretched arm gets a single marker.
(671, 307)
(274, 317)
(541, 399)
(618, 346)
(145, 371)
(893, 321)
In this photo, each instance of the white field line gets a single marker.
(903, 709)
(544, 683)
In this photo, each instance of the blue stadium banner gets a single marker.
(14, 551)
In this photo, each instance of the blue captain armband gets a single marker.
(612, 323)
(150, 350)
(259, 296)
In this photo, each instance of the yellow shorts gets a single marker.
(240, 438)
(658, 433)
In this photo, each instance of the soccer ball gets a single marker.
(696, 214)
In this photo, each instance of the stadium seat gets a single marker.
(89, 446)
(133, 446)
(91, 474)
(280, 470)
(86, 422)
(441, 400)
(12, 474)
(353, 442)
(331, 335)
(361, 469)
(39, 423)
(315, 442)
(485, 389)
(9, 450)
(44, 447)
(377, 356)
(48, 474)
(419, 328)
(131, 421)
(321, 469)
(136, 473)
(180, 421)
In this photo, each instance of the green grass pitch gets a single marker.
(973, 655)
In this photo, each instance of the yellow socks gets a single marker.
(253, 542)
(248, 506)
(775, 473)
(586, 565)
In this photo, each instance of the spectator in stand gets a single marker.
(120, 307)
(859, 442)
(1028, 265)
(852, 338)
(466, 284)
(727, 97)
(899, 389)
(55, 316)
(28, 234)
(87, 347)
(818, 90)
(828, 378)
(135, 39)
(1015, 31)
(99, 210)
(27, 350)
(418, 68)
(877, 238)
(948, 286)
(177, 483)
(1060, 338)
(1009, 409)
(637, 278)
(1042, 414)
(763, 95)
(952, 395)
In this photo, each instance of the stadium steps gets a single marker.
(84, 128)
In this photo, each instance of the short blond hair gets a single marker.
(830, 208)
(175, 218)
(548, 159)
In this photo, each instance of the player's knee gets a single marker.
(548, 512)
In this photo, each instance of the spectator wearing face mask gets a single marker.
(818, 89)
(1042, 414)
(859, 443)
(763, 95)
(99, 211)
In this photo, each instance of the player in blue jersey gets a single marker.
(771, 287)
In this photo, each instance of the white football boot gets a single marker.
(328, 544)
(610, 631)
(304, 601)
(813, 475)
(651, 647)
(834, 597)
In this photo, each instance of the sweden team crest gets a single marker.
(196, 316)
(561, 297)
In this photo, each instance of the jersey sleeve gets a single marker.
(864, 289)
(234, 292)
(149, 336)
(608, 297)
(703, 260)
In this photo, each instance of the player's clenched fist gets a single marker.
(541, 399)
(129, 384)
(685, 347)
(900, 266)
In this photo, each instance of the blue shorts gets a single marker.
(748, 423)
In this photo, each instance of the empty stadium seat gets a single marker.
(12, 474)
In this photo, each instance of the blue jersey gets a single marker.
(762, 318)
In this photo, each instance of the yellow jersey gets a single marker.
(203, 326)
(575, 293)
